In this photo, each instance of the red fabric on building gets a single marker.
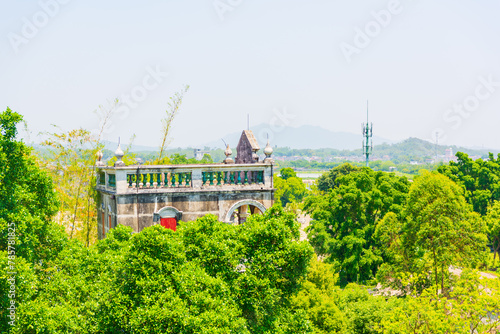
(170, 223)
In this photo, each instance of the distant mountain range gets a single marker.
(415, 148)
(305, 136)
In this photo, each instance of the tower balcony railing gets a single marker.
(172, 178)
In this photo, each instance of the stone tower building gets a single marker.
(143, 195)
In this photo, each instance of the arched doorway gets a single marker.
(239, 211)
(169, 217)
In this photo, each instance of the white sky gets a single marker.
(263, 57)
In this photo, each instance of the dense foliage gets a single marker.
(27, 201)
(329, 180)
(436, 230)
(419, 247)
(480, 179)
(208, 277)
(471, 307)
(289, 187)
(331, 309)
(492, 220)
(29, 241)
(345, 218)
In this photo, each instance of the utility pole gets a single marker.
(367, 138)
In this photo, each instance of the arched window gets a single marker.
(239, 211)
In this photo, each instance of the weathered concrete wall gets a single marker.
(137, 210)
(107, 206)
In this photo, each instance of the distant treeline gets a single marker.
(378, 165)
(412, 149)
(383, 157)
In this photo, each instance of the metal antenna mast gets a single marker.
(367, 137)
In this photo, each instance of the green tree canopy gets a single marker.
(262, 261)
(435, 232)
(318, 299)
(479, 178)
(289, 187)
(27, 204)
(344, 220)
(493, 227)
(331, 309)
(329, 181)
(27, 199)
(286, 173)
(468, 309)
(207, 277)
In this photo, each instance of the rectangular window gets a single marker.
(112, 180)
(110, 226)
(102, 178)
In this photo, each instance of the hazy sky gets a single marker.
(425, 66)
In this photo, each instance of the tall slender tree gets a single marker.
(171, 112)
(72, 164)
(437, 231)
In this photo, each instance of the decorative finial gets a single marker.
(228, 152)
(119, 155)
(268, 151)
(99, 156)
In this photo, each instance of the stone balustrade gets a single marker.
(159, 179)
(170, 178)
(232, 177)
